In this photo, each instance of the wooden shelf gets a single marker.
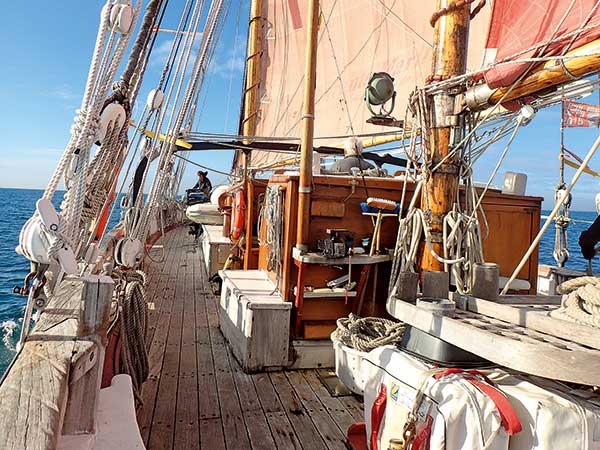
(315, 258)
(330, 293)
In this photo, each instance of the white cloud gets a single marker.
(64, 92)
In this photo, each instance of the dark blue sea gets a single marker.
(17, 205)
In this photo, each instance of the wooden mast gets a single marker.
(449, 59)
(250, 112)
(308, 125)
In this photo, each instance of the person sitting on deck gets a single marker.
(203, 185)
(352, 158)
(588, 240)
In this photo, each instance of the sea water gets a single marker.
(17, 205)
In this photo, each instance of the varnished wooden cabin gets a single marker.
(512, 222)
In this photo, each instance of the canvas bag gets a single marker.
(454, 412)
(553, 415)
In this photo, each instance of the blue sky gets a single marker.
(46, 47)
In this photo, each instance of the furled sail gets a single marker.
(536, 28)
(356, 39)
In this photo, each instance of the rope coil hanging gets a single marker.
(133, 320)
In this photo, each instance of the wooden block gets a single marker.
(321, 329)
(327, 208)
(325, 309)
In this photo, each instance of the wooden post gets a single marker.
(308, 125)
(250, 111)
(86, 369)
(449, 59)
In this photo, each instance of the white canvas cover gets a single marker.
(553, 416)
(463, 416)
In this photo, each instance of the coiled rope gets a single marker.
(366, 333)
(133, 319)
(581, 301)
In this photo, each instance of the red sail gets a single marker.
(535, 28)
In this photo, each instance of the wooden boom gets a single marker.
(578, 63)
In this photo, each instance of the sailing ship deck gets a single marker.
(197, 397)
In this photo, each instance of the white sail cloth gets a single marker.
(356, 39)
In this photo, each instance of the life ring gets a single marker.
(239, 211)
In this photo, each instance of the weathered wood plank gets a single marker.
(186, 424)
(532, 316)
(507, 344)
(327, 428)
(296, 413)
(85, 375)
(207, 383)
(161, 318)
(163, 423)
(211, 434)
(281, 428)
(236, 435)
(254, 417)
(338, 412)
(34, 393)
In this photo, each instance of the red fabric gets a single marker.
(423, 435)
(508, 416)
(295, 13)
(112, 358)
(357, 436)
(377, 412)
(580, 115)
(518, 25)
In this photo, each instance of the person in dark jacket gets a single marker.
(203, 185)
(589, 238)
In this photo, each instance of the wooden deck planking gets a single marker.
(187, 435)
(163, 422)
(158, 327)
(199, 398)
